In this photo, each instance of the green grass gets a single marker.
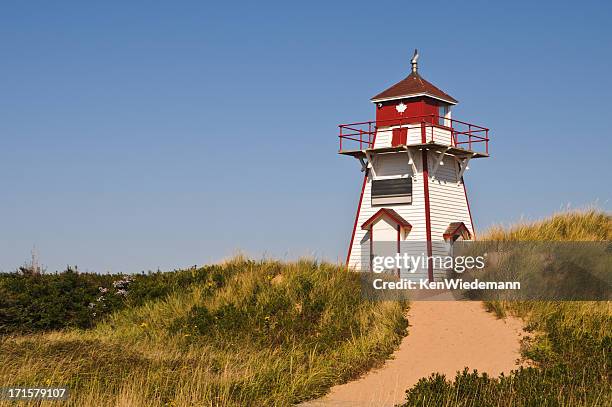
(573, 226)
(570, 347)
(272, 334)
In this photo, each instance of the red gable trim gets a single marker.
(457, 229)
(389, 213)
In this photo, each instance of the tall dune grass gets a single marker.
(275, 334)
(573, 226)
(571, 345)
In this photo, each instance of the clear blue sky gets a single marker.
(137, 136)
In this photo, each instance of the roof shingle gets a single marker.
(413, 85)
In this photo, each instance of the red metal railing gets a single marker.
(462, 135)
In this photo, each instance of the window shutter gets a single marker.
(392, 191)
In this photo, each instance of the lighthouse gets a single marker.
(414, 157)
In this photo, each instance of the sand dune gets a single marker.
(444, 336)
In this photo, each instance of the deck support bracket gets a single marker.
(439, 162)
(463, 165)
(371, 163)
(411, 163)
(364, 164)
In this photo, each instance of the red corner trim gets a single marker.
(365, 178)
(427, 214)
(348, 256)
(469, 210)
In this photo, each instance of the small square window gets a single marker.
(443, 115)
(392, 191)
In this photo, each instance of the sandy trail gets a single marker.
(444, 336)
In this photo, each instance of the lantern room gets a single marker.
(413, 100)
(414, 113)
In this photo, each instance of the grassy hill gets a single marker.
(572, 343)
(241, 333)
(271, 333)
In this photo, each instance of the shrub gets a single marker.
(41, 302)
(31, 302)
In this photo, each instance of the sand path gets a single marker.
(444, 336)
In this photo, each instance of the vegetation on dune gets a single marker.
(34, 302)
(571, 353)
(564, 258)
(249, 333)
(573, 226)
(570, 347)
(271, 333)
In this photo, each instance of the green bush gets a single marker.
(41, 302)
(33, 302)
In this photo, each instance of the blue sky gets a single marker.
(165, 134)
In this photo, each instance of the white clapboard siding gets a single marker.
(391, 165)
(415, 135)
(383, 138)
(447, 199)
(438, 135)
(435, 134)
(413, 213)
(448, 204)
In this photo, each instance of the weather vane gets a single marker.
(413, 61)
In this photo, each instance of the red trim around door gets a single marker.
(390, 213)
(399, 228)
(371, 248)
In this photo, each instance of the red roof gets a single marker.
(391, 214)
(457, 229)
(414, 85)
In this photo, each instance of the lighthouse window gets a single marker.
(443, 113)
(392, 191)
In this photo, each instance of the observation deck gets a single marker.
(454, 137)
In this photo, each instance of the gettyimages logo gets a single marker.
(412, 263)
(489, 270)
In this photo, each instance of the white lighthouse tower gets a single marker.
(414, 156)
